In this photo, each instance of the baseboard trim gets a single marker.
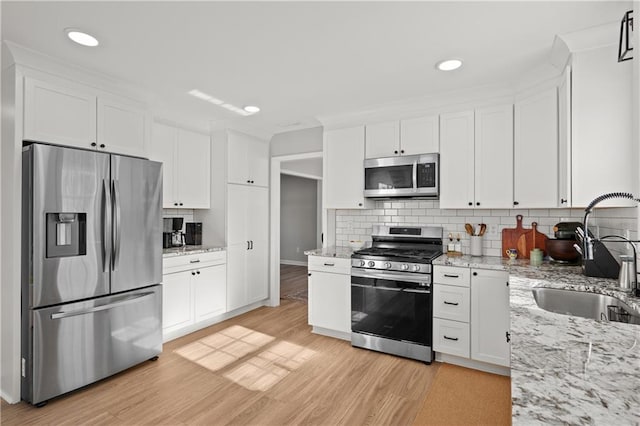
(473, 364)
(293, 262)
(331, 333)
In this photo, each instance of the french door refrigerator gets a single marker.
(91, 267)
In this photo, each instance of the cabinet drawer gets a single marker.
(451, 275)
(330, 264)
(451, 337)
(193, 261)
(451, 302)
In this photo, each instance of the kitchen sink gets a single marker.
(587, 305)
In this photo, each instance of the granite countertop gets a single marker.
(566, 369)
(340, 252)
(184, 250)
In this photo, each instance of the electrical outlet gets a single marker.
(492, 229)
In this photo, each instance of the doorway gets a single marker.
(296, 198)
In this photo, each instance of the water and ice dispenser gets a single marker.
(66, 234)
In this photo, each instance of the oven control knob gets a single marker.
(372, 263)
(362, 263)
(387, 265)
(404, 267)
(416, 268)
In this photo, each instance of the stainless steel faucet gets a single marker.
(588, 240)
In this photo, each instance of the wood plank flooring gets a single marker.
(302, 378)
(267, 368)
(293, 282)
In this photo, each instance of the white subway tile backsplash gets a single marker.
(357, 224)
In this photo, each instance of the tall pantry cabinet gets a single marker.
(239, 214)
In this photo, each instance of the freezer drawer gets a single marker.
(79, 343)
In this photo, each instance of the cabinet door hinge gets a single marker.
(508, 336)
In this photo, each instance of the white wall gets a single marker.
(297, 142)
(298, 218)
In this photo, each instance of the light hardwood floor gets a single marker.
(293, 282)
(264, 367)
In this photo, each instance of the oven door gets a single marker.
(396, 306)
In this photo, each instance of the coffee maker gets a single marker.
(172, 235)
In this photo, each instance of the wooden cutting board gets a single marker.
(530, 240)
(510, 236)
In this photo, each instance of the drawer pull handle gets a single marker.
(455, 339)
(329, 264)
(451, 276)
(195, 261)
(451, 303)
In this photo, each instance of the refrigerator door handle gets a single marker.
(106, 223)
(128, 300)
(116, 225)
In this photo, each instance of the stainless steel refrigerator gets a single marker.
(91, 267)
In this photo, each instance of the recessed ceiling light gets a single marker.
(449, 64)
(82, 37)
(251, 109)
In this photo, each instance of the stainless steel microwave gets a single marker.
(404, 176)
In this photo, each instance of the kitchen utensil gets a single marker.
(578, 249)
(476, 245)
(563, 250)
(510, 235)
(566, 230)
(468, 228)
(512, 253)
(483, 229)
(628, 274)
(529, 240)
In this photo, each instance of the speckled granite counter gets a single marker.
(342, 252)
(566, 369)
(181, 251)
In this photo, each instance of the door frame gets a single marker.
(274, 258)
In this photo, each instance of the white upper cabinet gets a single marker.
(186, 156)
(382, 139)
(604, 155)
(457, 162)
(164, 149)
(248, 160)
(344, 169)
(420, 135)
(405, 137)
(536, 151)
(121, 128)
(75, 115)
(564, 140)
(476, 158)
(494, 157)
(59, 114)
(194, 169)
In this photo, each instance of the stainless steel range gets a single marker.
(391, 293)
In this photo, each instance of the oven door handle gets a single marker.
(375, 287)
(413, 290)
(391, 276)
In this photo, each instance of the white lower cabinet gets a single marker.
(451, 337)
(330, 296)
(471, 316)
(490, 317)
(194, 290)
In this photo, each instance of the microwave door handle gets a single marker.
(415, 175)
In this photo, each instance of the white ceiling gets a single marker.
(301, 60)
